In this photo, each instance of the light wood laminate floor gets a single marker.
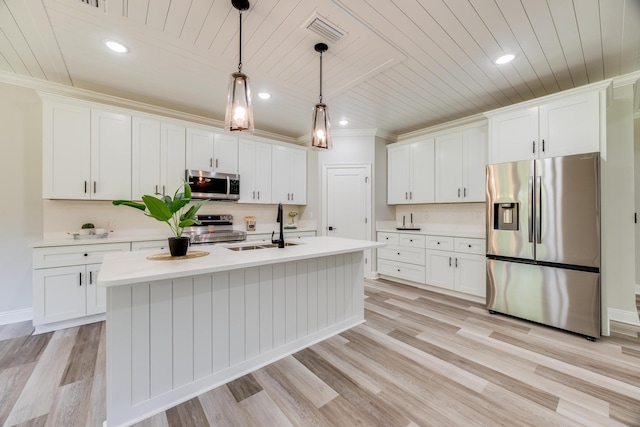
(421, 359)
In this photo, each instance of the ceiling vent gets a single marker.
(329, 32)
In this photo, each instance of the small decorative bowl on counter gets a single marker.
(90, 233)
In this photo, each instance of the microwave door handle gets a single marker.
(538, 210)
(228, 186)
(530, 210)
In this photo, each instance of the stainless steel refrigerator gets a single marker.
(543, 241)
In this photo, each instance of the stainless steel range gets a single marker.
(214, 229)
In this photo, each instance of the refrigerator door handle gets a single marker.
(538, 210)
(530, 213)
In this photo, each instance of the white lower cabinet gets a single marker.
(65, 283)
(458, 264)
(403, 257)
(454, 263)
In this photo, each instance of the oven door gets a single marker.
(213, 185)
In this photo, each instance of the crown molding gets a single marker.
(626, 79)
(465, 122)
(45, 88)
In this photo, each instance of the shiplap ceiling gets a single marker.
(400, 66)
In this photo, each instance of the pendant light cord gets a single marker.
(240, 49)
(321, 77)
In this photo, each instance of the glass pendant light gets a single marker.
(320, 126)
(239, 115)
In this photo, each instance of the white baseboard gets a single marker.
(637, 289)
(623, 316)
(16, 316)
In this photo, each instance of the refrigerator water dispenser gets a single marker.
(506, 216)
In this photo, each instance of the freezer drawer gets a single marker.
(566, 299)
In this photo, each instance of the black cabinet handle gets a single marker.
(533, 145)
(449, 261)
(80, 277)
(543, 145)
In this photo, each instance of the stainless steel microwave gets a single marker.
(213, 185)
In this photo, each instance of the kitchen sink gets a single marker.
(257, 246)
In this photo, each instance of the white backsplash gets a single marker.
(453, 216)
(67, 216)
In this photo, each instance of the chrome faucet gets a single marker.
(280, 241)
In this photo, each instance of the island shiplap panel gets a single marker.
(220, 321)
(183, 326)
(140, 346)
(161, 337)
(266, 308)
(252, 313)
(191, 334)
(203, 326)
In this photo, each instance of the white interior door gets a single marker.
(347, 203)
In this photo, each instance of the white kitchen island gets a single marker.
(178, 328)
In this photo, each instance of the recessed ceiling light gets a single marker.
(504, 59)
(116, 47)
(343, 122)
(264, 95)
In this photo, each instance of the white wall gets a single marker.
(448, 216)
(21, 189)
(618, 207)
(636, 135)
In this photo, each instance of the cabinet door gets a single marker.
(398, 174)
(225, 153)
(199, 153)
(439, 269)
(66, 151)
(96, 295)
(449, 168)
(110, 155)
(422, 186)
(145, 157)
(246, 168)
(474, 163)
(513, 136)
(262, 173)
(470, 274)
(570, 125)
(172, 158)
(280, 175)
(298, 180)
(58, 294)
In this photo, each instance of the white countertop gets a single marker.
(62, 239)
(473, 233)
(126, 268)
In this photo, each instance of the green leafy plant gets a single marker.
(88, 225)
(168, 209)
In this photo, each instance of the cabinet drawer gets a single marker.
(415, 273)
(413, 240)
(160, 245)
(402, 254)
(470, 246)
(390, 238)
(60, 256)
(441, 243)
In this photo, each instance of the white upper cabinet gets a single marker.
(410, 173)
(562, 125)
(254, 166)
(157, 157)
(66, 151)
(570, 125)
(209, 151)
(449, 186)
(110, 155)
(461, 159)
(145, 157)
(288, 175)
(172, 157)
